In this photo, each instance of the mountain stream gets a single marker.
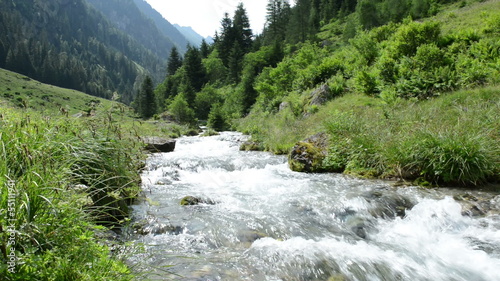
(257, 220)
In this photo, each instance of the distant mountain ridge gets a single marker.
(193, 37)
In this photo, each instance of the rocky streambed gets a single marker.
(246, 216)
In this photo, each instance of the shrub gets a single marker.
(410, 36)
(181, 111)
(216, 119)
(366, 83)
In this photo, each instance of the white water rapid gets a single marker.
(260, 221)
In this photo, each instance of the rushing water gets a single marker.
(262, 221)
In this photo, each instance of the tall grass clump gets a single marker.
(449, 157)
(59, 178)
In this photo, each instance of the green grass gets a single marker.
(450, 140)
(70, 175)
(65, 175)
(475, 15)
(19, 91)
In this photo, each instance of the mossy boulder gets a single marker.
(251, 146)
(192, 201)
(308, 155)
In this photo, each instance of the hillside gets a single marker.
(20, 91)
(125, 15)
(72, 45)
(374, 63)
(163, 25)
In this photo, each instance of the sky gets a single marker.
(204, 16)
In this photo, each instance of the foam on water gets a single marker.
(269, 223)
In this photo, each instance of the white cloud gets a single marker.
(204, 16)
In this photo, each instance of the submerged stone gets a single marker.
(192, 201)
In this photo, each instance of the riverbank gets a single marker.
(64, 181)
(449, 140)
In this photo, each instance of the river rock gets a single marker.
(307, 155)
(251, 146)
(476, 205)
(150, 225)
(387, 203)
(155, 145)
(192, 201)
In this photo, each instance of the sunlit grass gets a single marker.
(453, 139)
(66, 175)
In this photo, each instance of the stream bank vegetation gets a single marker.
(400, 91)
(66, 181)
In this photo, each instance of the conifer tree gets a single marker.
(204, 49)
(278, 16)
(226, 39)
(242, 31)
(174, 61)
(145, 101)
(195, 74)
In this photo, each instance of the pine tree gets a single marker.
(204, 49)
(235, 62)
(195, 75)
(226, 39)
(146, 101)
(174, 61)
(242, 31)
(277, 19)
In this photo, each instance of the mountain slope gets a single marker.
(163, 25)
(70, 44)
(126, 16)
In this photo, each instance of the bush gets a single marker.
(410, 36)
(181, 111)
(216, 119)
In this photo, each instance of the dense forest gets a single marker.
(373, 47)
(72, 45)
(375, 58)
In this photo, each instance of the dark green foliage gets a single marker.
(146, 100)
(205, 49)
(174, 61)
(216, 119)
(181, 111)
(278, 16)
(194, 71)
(368, 14)
(73, 47)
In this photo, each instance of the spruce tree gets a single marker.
(195, 74)
(174, 61)
(146, 102)
(242, 32)
(204, 49)
(226, 39)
